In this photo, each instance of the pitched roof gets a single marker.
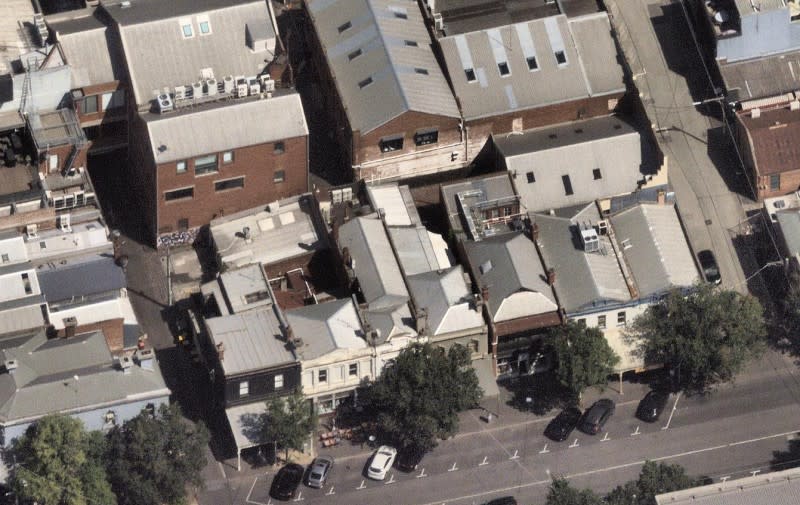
(773, 137)
(448, 300)
(68, 375)
(252, 340)
(583, 280)
(380, 56)
(770, 488)
(326, 327)
(515, 67)
(374, 263)
(655, 248)
(81, 276)
(158, 55)
(761, 77)
(508, 264)
(601, 157)
(223, 126)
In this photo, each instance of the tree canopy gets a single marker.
(288, 422)
(561, 493)
(705, 337)
(151, 458)
(582, 355)
(417, 398)
(57, 462)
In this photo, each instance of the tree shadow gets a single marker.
(544, 391)
(790, 458)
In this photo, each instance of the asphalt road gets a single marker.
(731, 433)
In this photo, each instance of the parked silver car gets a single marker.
(320, 468)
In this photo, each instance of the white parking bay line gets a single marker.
(672, 412)
(248, 500)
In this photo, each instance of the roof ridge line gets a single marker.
(392, 68)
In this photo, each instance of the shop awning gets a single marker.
(486, 378)
(246, 425)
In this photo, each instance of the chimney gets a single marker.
(11, 365)
(551, 276)
(422, 320)
(292, 339)
(535, 231)
(145, 357)
(126, 363)
(662, 197)
(70, 324)
(485, 293)
(221, 351)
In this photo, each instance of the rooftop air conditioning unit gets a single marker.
(64, 223)
(164, 103)
(180, 93)
(241, 89)
(125, 363)
(255, 87)
(263, 78)
(32, 231)
(269, 85)
(438, 21)
(11, 365)
(197, 90)
(211, 84)
(591, 242)
(227, 84)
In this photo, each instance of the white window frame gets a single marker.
(227, 157)
(53, 161)
(350, 370)
(278, 381)
(201, 19)
(244, 389)
(622, 318)
(184, 23)
(182, 166)
(320, 374)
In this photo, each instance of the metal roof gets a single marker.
(789, 222)
(253, 340)
(223, 126)
(79, 277)
(68, 375)
(241, 284)
(158, 55)
(12, 41)
(378, 75)
(279, 232)
(746, 7)
(396, 202)
(415, 250)
(92, 56)
(493, 187)
(771, 488)
(601, 157)
(765, 32)
(655, 248)
(583, 280)
(762, 77)
(21, 314)
(448, 300)
(590, 68)
(326, 327)
(508, 264)
(374, 262)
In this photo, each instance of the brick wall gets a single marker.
(101, 115)
(257, 164)
(62, 152)
(113, 329)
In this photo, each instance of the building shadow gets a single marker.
(790, 458)
(544, 390)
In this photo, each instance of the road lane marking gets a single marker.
(391, 480)
(484, 462)
(755, 472)
(574, 444)
(616, 467)
(636, 431)
(672, 412)
(516, 455)
(544, 451)
(723, 479)
(453, 468)
(248, 500)
(330, 491)
(299, 497)
(605, 438)
(362, 486)
(421, 474)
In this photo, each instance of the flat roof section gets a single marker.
(13, 41)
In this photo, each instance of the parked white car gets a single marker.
(382, 461)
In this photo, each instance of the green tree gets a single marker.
(705, 337)
(288, 422)
(152, 458)
(56, 462)
(417, 398)
(561, 493)
(582, 355)
(654, 479)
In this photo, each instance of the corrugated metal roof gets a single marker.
(590, 67)
(158, 55)
(375, 266)
(789, 222)
(746, 7)
(253, 341)
(21, 314)
(653, 243)
(375, 70)
(44, 381)
(240, 283)
(509, 264)
(415, 249)
(762, 77)
(583, 280)
(229, 125)
(448, 300)
(771, 488)
(493, 187)
(326, 327)
(766, 32)
(575, 150)
(78, 277)
(91, 55)
(396, 202)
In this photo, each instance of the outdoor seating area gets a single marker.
(356, 434)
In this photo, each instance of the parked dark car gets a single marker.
(505, 500)
(708, 264)
(408, 460)
(286, 482)
(563, 424)
(651, 406)
(319, 471)
(596, 416)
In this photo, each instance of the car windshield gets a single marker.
(316, 475)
